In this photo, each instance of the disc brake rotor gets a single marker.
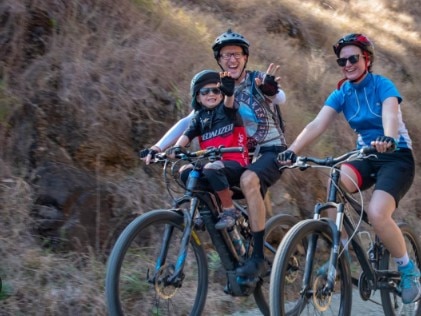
(292, 271)
(165, 291)
(321, 301)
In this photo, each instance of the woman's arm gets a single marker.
(313, 129)
(390, 120)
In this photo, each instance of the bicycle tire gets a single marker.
(133, 257)
(392, 305)
(275, 229)
(286, 294)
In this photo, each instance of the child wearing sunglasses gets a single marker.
(217, 123)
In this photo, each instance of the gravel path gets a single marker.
(359, 307)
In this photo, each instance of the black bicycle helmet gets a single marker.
(230, 38)
(199, 81)
(356, 39)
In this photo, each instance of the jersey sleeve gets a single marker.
(335, 100)
(193, 130)
(387, 89)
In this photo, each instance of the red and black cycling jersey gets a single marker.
(220, 126)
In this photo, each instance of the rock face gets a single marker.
(72, 210)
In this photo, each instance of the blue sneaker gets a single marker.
(410, 283)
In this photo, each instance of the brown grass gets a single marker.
(96, 80)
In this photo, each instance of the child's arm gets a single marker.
(183, 141)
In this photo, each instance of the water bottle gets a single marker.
(192, 180)
(237, 240)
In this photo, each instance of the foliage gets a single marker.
(88, 83)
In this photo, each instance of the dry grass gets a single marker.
(95, 80)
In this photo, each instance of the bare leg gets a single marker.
(380, 210)
(226, 198)
(250, 185)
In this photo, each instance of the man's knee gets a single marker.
(249, 179)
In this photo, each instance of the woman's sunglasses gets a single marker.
(353, 59)
(206, 91)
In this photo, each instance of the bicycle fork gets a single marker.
(176, 276)
(336, 229)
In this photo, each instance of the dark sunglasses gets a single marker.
(353, 59)
(206, 91)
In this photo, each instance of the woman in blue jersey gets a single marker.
(371, 105)
(216, 122)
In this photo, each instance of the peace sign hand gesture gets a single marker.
(269, 85)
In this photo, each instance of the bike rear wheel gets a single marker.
(275, 229)
(287, 294)
(130, 287)
(392, 304)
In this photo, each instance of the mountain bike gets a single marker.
(159, 265)
(311, 270)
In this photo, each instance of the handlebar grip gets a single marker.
(372, 150)
(368, 150)
(231, 150)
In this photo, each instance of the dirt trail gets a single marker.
(359, 307)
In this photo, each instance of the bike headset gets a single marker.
(199, 80)
(361, 41)
(230, 38)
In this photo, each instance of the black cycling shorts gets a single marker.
(390, 172)
(266, 168)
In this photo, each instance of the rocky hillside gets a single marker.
(85, 84)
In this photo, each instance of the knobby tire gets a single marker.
(275, 229)
(286, 294)
(133, 257)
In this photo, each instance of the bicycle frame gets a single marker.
(368, 265)
(206, 204)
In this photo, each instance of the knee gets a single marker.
(377, 218)
(249, 180)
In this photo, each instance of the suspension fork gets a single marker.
(177, 276)
(311, 247)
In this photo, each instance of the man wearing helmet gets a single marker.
(371, 105)
(257, 97)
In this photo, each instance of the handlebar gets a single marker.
(302, 162)
(203, 153)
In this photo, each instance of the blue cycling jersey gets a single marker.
(361, 104)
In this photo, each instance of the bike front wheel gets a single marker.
(299, 274)
(391, 301)
(275, 229)
(137, 277)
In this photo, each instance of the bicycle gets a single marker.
(158, 264)
(299, 281)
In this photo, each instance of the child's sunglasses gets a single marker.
(206, 91)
